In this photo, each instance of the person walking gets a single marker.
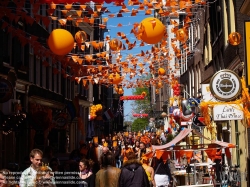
(149, 171)
(132, 173)
(28, 176)
(109, 175)
(87, 177)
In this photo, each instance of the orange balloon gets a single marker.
(80, 37)
(144, 94)
(161, 71)
(115, 44)
(120, 91)
(234, 38)
(152, 30)
(115, 78)
(60, 41)
(181, 35)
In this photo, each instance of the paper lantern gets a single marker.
(115, 79)
(234, 38)
(181, 35)
(161, 71)
(80, 37)
(60, 41)
(115, 44)
(151, 30)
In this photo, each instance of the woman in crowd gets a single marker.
(149, 171)
(86, 175)
(6, 178)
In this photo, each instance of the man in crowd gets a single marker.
(28, 176)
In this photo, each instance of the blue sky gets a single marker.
(127, 21)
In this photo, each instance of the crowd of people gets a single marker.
(118, 160)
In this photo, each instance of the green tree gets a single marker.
(139, 124)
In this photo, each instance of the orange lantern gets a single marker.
(80, 37)
(115, 78)
(115, 44)
(144, 94)
(181, 35)
(159, 85)
(60, 41)
(156, 91)
(234, 38)
(161, 71)
(120, 91)
(151, 30)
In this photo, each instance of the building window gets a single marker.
(5, 46)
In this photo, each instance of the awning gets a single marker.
(222, 144)
(178, 138)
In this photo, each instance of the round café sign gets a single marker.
(6, 90)
(225, 85)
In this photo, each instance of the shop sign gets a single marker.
(225, 85)
(227, 112)
(6, 90)
(61, 121)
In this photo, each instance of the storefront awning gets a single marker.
(178, 138)
(222, 144)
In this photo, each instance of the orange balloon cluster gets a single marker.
(94, 110)
(119, 90)
(176, 88)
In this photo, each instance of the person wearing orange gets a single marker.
(149, 171)
(125, 151)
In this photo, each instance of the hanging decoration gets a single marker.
(234, 38)
(151, 30)
(161, 71)
(80, 38)
(132, 97)
(95, 111)
(115, 44)
(97, 66)
(140, 115)
(60, 41)
(115, 78)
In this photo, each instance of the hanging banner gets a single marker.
(227, 112)
(6, 90)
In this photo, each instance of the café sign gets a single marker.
(225, 85)
(227, 112)
(6, 90)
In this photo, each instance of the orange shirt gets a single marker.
(124, 152)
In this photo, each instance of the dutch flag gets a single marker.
(108, 114)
